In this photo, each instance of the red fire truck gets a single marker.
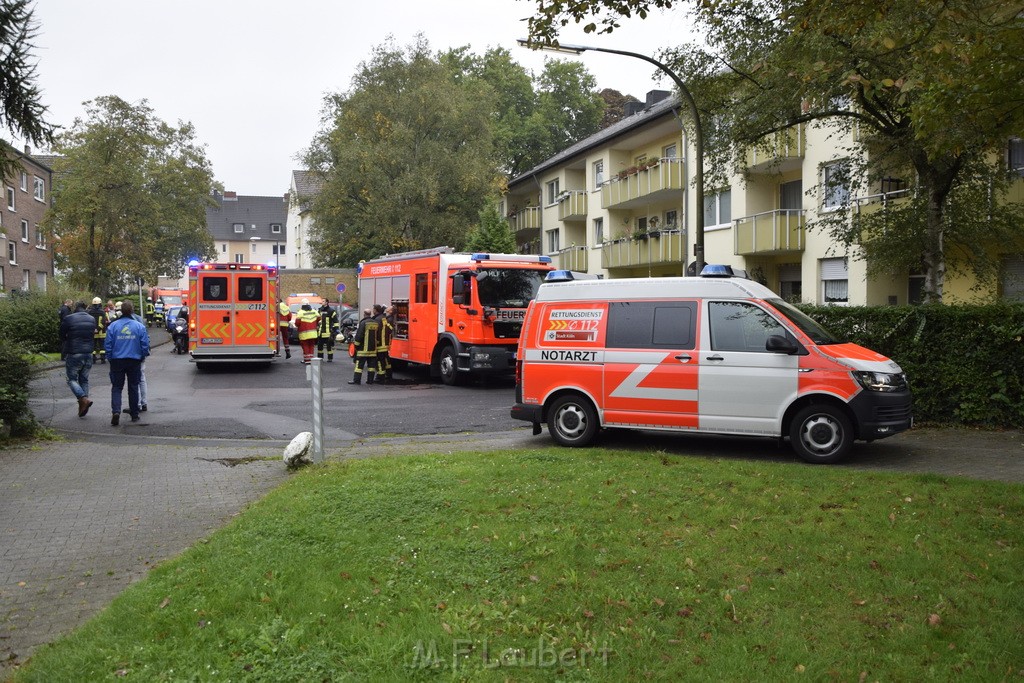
(233, 313)
(458, 313)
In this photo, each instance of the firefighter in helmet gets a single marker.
(284, 320)
(150, 312)
(366, 338)
(384, 318)
(326, 329)
(100, 335)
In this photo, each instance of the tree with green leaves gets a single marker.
(129, 198)
(21, 109)
(406, 158)
(493, 233)
(932, 92)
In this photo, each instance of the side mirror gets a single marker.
(779, 344)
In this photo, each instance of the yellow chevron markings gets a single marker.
(558, 324)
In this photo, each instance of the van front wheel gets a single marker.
(821, 434)
(572, 421)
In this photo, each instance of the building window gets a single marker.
(254, 247)
(790, 282)
(835, 185)
(671, 219)
(24, 181)
(279, 249)
(12, 252)
(224, 248)
(275, 228)
(1015, 156)
(40, 238)
(24, 231)
(39, 190)
(1011, 278)
(834, 281)
(239, 258)
(598, 230)
(552, 241)
(238, 227)
(669, 152)
(553, 191)
(26, 277)
(718, 209)
(10, 199)
(252, 228)
(40, 281)
(1, 279)
(641, 224)
(598, 173)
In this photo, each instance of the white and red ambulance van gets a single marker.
(709, 355)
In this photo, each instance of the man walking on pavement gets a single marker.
(76, 339)
(127, 345)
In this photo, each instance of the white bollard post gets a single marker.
(313, 374)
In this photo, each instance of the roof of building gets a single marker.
(307, 185)
(255, 214)
(651, 113)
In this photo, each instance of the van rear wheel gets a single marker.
(821, 434)
(572, 420)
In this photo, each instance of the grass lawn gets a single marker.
(580, 565)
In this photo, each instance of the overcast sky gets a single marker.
(251, 74)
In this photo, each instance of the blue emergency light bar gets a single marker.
(480, 256)
(569, 276)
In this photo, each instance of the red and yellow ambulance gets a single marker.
(710, 355)
(233, 313)
(459, 313)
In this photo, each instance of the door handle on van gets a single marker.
(715, 358)
(685, 357)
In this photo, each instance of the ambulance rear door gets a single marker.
(232, 312)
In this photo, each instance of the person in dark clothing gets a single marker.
(325, 331)
(102, 320)
(366, 348)
(65, 309)
(76, 343)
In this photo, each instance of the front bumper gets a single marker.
(882, 414)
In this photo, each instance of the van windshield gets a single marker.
(818, 334)
(508, 287)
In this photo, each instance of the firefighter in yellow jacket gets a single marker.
(384, 318)
(284, 320)
(367, 335)
(99, 355)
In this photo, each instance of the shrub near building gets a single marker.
(965, 364)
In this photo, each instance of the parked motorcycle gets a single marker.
(179, 335)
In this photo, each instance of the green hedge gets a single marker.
(965, 364)
(14, 376)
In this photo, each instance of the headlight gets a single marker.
(882, 381)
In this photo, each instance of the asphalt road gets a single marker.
(248, 402)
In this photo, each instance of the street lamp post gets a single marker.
(698, 134)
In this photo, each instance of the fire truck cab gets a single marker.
(233, 316)
(458, 313)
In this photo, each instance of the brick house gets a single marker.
(28, 257)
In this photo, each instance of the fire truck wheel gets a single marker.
(572, 420)
(448, 365)
(821, 434)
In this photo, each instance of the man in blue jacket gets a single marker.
(127, 345)
(76, 335)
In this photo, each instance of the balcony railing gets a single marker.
(525, 219)
(659, 247)
(573, 258)
(771, 232)
(572, 205)
(785, 145)
(875, 202)
(654, 183)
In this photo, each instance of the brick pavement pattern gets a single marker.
(81, 521)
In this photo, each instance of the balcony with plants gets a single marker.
(644, 247)
(654, 180)
(525, 219)
(780, 152)
(572, 205)
(780, 231)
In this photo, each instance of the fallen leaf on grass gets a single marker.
(166, 601)
(659, 602)
(684, 612)
(934, 620)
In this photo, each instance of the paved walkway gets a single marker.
(80, 521)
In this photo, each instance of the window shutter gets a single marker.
(789, 272)
(833, 269)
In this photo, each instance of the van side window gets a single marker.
(652, 324)
(215, 288)
(250, 289)
(739, 326)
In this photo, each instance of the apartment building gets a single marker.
(621, 204)
(304, 187)
(249, 229)
(28, 265)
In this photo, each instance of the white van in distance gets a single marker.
(709, 355)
